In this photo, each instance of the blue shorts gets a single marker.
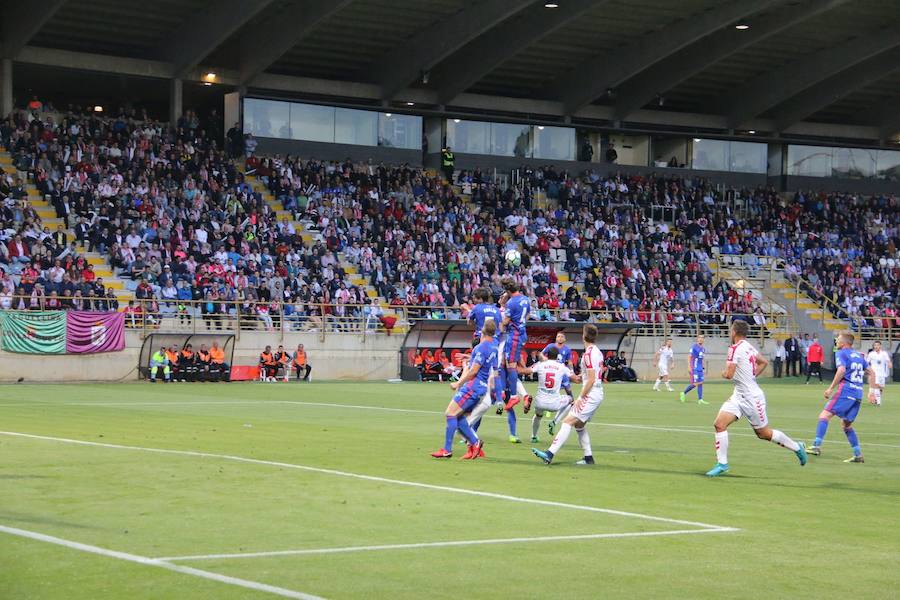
(515, 341)
(844, 405)
(469, 396)
(697, 377)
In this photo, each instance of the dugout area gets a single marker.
(156, 340)
(446, 339)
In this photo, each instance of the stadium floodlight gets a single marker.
(456, 120)
(751, 131)
(410, 103)
(541, 127)
(696, 139)
(551, 4)
(98, 108)
(742, 26)
(388, 115)
(210, 76)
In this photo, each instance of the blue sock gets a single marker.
(511, 421)
(512, 378)
(854, 441)
(466, 430)
(688, 389)
(700, 391)
(476, 424)
(821, 428)
(499, 386)
(452, 426)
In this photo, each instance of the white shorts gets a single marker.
(881, 380)
(544, 404)
(583, 410)
(752, 407)
(663, 370)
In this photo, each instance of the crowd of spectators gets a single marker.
(183, 225)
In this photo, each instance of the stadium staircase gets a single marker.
(49, 219)
(776, 294)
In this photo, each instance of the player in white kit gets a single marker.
(881, 364)
(585, 406)
(665, 356)
(743, 366)
(550, 374)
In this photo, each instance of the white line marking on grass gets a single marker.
(416, 484)
(548, 538)
(683, 429)
(162, 564)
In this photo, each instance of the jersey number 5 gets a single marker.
(550, 380)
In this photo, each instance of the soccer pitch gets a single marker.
(188, 491)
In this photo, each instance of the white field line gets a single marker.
(415, 484)
(548, 538)
(411, 411)
(162, 564)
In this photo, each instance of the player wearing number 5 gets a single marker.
(585, 406)
(551, 375)
(844, 395)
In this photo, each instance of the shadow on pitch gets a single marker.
(20, 518)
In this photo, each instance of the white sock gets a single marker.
(561, 414)
(479, 410)
(668, 387)
(560, 438)
(585, 440)
(722, 447)
(535, 424)
(520, 389)
(656, 385)
(782, 440)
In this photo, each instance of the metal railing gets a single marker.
(236, 316)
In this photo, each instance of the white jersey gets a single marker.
(879, 361)
(592, 360)
(666, 355)
(744, 355)
(550, 375)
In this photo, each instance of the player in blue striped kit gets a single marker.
(844, 395)
(470, 389)
(518, 308)
(696, 367)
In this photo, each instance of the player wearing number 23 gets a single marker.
(844, 395)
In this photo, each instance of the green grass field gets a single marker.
(317, 483)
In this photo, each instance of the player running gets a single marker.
(470, 389)
(584, 408)
(564, 356)
(743, 365)
(696, 367)
(551, 373)
(517, 308)
(881, 364)
(665, 356)
(852, 370)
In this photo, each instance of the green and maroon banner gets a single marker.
(60, 332)
(37, 332)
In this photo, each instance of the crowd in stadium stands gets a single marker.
(174, 215)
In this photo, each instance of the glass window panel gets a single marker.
(809, 161)
(511, 140)
(853, 163)
(267, 118)
(400, 131)
(748, 157)
(359, 127)
(888, 166)
(710, 155)
(469, 137)
(556, 143)
(312, 123)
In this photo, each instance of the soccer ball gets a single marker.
(513, 258)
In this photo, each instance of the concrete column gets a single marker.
(6, 89)
(176, 100)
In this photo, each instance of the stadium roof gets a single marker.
(652, 62)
